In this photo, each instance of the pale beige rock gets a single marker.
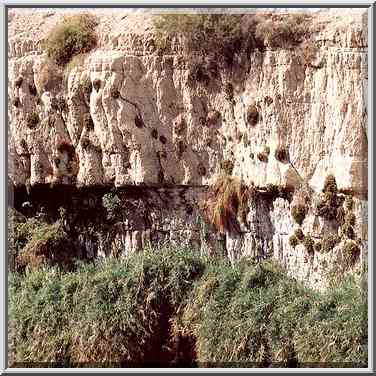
(149, 127)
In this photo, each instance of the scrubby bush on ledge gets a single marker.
(74, 36)
(141, 310)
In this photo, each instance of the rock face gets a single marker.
(128, 116)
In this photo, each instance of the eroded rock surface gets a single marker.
(127, 116)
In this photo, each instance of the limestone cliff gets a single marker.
(128, 116)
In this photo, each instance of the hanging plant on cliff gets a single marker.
(226, 203)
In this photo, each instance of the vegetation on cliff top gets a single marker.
(74, 36)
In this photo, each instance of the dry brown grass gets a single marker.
(227, 202)
(283, 31)
(75, 35)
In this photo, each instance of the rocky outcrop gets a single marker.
(128, 116)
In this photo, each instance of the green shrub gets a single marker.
(257, 313)
(136, 312)
(74, 36)
(298, 213)
(112, 203)
(48, 245)
(218, 37)
(103, 312)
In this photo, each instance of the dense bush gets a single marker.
(140, 309)
(34, 244)
(216, 35)
(74, 36)
(108, 312)
(299, 212)
(259, 315)
(112, 203)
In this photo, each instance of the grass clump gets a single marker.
(298, 213)
(293, 240)
(308, 243)
(351, 252)
(227, 166)
(329, 241)
(48, 245)
(227, 199)
(329, 206)
(284, 31)
(74, 36)
(214, 38)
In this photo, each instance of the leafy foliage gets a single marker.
(135, 311)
